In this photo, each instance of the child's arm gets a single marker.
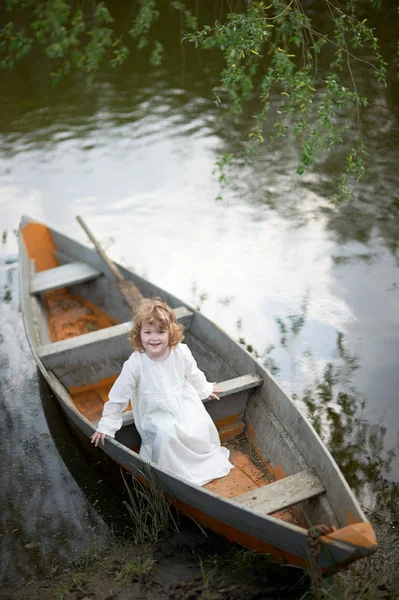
(118, 400)
(204, 388)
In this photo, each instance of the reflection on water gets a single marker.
(45, 517)
(337, 411)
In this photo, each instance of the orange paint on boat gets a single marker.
(229, 420)
(359, 535)
(71, 315)
(239, 537)
(90, 399)
(101, 383)
(237, 481)
(229, 432)
(277, 471)
(245, 464)
(40, 246)
(68, 315)
(351, 518)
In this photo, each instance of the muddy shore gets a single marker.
(193, 564)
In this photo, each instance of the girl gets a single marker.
(165, 386)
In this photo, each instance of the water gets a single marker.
(312, 289)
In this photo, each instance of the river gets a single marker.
(311, 288)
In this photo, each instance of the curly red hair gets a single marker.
(155, 311)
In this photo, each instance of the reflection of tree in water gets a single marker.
(289, 329)
(197, 297)
(335, 409)
(264, 357)
(361, 220)
(295, 322)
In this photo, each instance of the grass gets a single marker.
(152, 515)
(76, 583)
(374, 577)
(241, 559)
(225, 570)
(95, 553)
(207, 580)
(136, 568)
(225, 573)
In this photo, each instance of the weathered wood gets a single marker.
(94, 355)
(239, 384)
(283, 493)
(230, 387)
(184, 316)
(84, 343)
(106, 334)
(128, 289)
(113, 268)
(63, 276)
(281, 434)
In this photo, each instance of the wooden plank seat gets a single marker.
(95, 355)
(229, 387)
(239, 384)
(283, 493)
(63, 276)
(46, 351)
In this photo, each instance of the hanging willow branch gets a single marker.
(272, 52)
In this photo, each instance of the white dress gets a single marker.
(176, 431)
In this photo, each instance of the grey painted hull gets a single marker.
(279, 431)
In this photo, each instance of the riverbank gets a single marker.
(193, 564)
(187, 565)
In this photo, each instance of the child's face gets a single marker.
(155, 341)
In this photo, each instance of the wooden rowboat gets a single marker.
(285, 480)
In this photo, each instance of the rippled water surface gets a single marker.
(313, 290)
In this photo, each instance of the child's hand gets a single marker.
(96, 437)
(213, 395)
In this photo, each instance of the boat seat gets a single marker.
(183, 315)
(283, 493)
(63, 276)
(238, 384)
(95, 355)
(229, 387)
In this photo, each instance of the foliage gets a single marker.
(75, 584)
(136, 568)
(149, 510)
(272, 52)
(273, 49)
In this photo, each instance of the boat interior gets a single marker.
(81, 326)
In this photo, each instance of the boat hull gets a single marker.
(286, 542)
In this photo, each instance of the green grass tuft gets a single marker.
(152, 515)
(75, 584)
(136, 568)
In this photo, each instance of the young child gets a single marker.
(165, 386)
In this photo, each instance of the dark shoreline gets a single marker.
(196, 564)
